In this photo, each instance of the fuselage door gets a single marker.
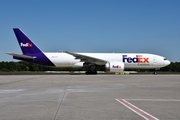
(154, 60)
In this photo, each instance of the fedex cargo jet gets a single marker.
(112, 62)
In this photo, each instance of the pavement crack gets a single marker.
(62, 100)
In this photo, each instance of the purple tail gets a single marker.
(26, 45)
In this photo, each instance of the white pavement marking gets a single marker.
(11, 91)
(137, 110)
(161, 100)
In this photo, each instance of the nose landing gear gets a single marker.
(155, 71)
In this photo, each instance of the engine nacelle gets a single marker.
(114, 66)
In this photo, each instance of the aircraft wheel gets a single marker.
(155, 72)
(91, 73)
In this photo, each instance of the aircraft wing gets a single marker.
(87, 59)
(20, 56)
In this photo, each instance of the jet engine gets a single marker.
(114, 66)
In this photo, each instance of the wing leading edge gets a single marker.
(87, 59)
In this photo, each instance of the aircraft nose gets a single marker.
(167, 62)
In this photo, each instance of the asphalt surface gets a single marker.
(89, 97)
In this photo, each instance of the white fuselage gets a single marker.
(130, 60)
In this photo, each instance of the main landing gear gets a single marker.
(155, 72)
(91, 70)
(91, 73)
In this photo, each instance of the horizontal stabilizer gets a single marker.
(21, 56)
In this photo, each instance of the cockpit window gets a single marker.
(165, 59)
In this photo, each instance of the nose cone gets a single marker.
(167, 62)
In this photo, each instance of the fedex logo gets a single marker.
(26, 45)
(116, 66)
(137, 59)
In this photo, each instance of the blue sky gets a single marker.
(138, 26)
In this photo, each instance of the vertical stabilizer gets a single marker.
(26, 45)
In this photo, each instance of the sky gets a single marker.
(100, 26)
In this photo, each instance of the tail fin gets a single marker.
(26, 45)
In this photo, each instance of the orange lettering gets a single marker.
(146, 60)
(139, 58)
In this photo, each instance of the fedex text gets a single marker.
(136, 59)
(26, 45)
(116, 66)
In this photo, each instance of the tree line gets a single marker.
(26, 66)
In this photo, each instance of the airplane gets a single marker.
(108, 62)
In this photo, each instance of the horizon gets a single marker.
(93, 26)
